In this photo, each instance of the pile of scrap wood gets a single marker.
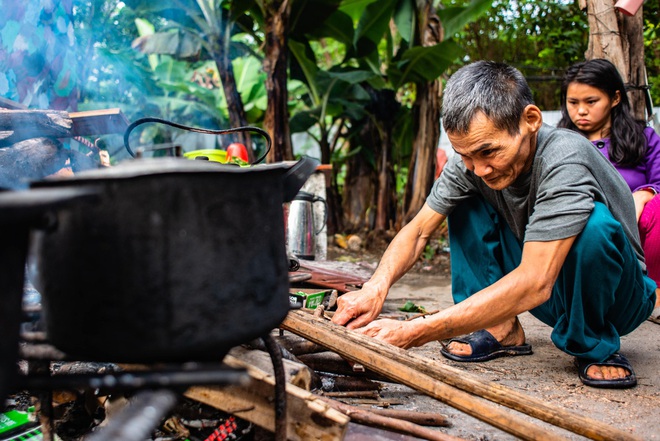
(312, 346)
(31, 147)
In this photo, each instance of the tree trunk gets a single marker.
(359, 186)
(276, 120)
(427, 129)
(384, 201)
(632, 34)
(619, 39)
(234, 103)
(384, 108)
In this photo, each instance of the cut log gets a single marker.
(17, 125)
(442, 382)
(307, 416)
(30, 160)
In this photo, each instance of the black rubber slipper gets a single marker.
(616, 360)
(484, 347)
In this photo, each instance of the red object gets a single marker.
(237, 150)
(440, 161)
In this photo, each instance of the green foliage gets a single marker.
(429, 253)
(409, 306)
(652, 47)
(541, 38)
(422, 64)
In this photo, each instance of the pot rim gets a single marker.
(160, 166)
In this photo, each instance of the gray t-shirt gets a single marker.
(555, 198)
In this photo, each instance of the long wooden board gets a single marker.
(449, 384)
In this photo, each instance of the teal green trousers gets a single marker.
(601, 292)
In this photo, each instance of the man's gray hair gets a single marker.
(496, 89)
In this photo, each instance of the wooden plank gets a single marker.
(6, 103)
(307, 416)
(448, 384)
(98, 122)
(327, 278)
(296, 373)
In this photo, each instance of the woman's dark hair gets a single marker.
(627, 140)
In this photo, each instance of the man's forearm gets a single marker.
(401, 255)
(524, 288)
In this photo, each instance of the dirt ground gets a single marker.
(548, 374)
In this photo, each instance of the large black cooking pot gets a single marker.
(19, 212)
(180, 260)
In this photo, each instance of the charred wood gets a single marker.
(30, 160)
(19, 125)
(334, 363)
(334, 383)
(298, 345)
(22, 124)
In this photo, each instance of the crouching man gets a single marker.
(538, 221)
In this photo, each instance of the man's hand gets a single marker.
(358, 308)
(396, 332)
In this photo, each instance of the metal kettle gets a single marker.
(301, 231)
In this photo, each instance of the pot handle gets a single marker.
(136, 123)
(297, 175)
(325, 212)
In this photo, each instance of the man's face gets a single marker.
(494, 155)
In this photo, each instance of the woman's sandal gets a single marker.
(616, 360)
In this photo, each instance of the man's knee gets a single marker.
(602, 235)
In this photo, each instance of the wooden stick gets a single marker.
(389, 360)
(373, 419)
(421, 418)
(352, 394)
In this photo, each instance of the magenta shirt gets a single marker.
(647, 172)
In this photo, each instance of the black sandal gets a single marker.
(484, 347)
(616, 360)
